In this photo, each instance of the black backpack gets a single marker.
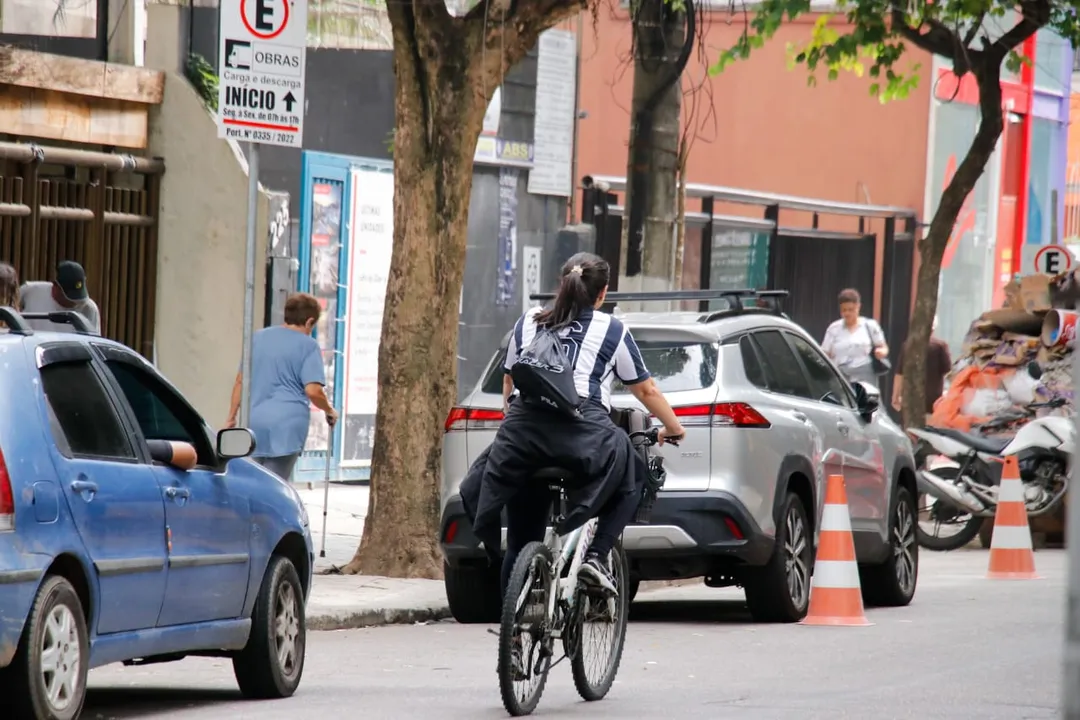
(544, 374)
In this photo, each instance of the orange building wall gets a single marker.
(766, 129)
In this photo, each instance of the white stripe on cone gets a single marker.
(840, 574)
(836, 517)
(1011, 537)
(1012, 490)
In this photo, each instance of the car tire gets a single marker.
(472, 592)
(56, 628)
(768, 596)
(893, 582)
(278, 628)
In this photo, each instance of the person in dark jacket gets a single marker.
(608, 475)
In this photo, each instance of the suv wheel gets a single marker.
(780, 591)
(892, 583)
(47, 678)
(272, 662)
(472, 592)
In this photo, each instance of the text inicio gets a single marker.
(252, 98)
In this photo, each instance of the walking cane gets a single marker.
(326, 487)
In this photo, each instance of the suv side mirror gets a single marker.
(867, 398)
(235, 443)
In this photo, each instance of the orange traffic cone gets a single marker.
(1011, 553)
(835, 594)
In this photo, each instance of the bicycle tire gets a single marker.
(533, 553)
(589, 691)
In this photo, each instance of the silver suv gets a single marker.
(768, 418)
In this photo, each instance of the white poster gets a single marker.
(556, 93)
(371, 243)
(531, 286)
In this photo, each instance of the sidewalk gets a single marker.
(340, 602)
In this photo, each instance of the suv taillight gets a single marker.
(721, 415)
(7, 498)
(473, 419)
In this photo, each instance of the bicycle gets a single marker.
(544, 601)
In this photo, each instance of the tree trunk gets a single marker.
(445, 71)
(932, 246)
(649, 222)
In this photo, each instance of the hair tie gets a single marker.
(576, 270)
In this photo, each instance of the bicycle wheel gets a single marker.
(595, 664)
(523, 660)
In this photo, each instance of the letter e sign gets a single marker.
(1053, 259)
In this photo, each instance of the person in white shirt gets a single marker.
(67, 293)
(851, 340)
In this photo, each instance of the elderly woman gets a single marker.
(853, 340)
(9, 288)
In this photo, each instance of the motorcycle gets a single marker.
(960, 472)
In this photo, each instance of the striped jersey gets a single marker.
(599, 347)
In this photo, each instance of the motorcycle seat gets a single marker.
(994, 446)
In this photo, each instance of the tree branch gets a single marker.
(1036, 14)
(938, 39)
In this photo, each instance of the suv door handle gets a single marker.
(178, 495)
(843, 428)
(801, 417)
(85, 488)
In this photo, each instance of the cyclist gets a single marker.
(608, 475)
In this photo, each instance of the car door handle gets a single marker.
(843, 428)
(801, 417)
(177, 495)
(85, 488)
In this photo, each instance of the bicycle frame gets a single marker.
(569, 548)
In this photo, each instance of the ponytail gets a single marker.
(583, 277)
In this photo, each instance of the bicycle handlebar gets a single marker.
(652, 437)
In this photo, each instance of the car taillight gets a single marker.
(721, 415)
(7, 499)
(473, 419)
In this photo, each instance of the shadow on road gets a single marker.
(690, 611)
(144, 702)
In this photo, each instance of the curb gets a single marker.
(349, 620)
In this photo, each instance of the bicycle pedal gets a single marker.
(493, 631)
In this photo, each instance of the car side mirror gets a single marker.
(867, 398)
(235, 443)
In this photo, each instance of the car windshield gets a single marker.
(676, 366)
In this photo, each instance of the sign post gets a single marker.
(1053, 259)
(262, 59)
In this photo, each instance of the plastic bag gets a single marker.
(544, 374)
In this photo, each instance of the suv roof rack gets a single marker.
(16, 321)
(768, 300)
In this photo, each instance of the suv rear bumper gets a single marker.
(683, 525)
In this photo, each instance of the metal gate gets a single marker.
(98, 209)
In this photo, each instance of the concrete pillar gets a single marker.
(166, 36)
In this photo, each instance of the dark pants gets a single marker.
(529, 511)
(280, 465)
(606, 479)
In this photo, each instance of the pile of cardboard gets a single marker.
(990, 377)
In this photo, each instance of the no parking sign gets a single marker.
(1053, 259)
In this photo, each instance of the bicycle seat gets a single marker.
(555, 477)
(994, 446)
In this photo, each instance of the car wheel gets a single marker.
(47, 678)
(272, 662)
(472, 592)
(780, 591)
(893, 582)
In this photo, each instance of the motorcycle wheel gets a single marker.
(969, 529)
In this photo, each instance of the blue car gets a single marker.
(108, 556)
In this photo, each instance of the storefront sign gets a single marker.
(506, 153)
(371, 245)
(508, 182)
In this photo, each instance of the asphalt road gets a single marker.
(966, 648)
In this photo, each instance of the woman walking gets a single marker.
(856, 343)
(287, 377)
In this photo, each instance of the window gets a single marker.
(49, 19)
(160, 413)
(83, 420)
(677, 366)
(755, 373)
(825, 384)
(782, 368)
